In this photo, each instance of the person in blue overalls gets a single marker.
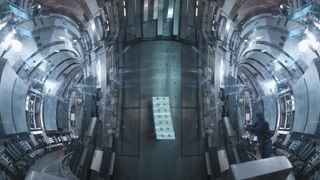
(261, 129)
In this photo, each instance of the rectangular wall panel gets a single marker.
(190, 132)
(130, 132)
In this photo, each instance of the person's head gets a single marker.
(260, 116)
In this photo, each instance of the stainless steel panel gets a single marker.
(223, 160)
(273, 168)
(130, 133)
(131, 77)
(160, 72)
(176, 18)
(6, 89)
(92, 126)
(149, 29)
(62, 115)
(270, 111)
(49, 113)
(313, 85)
(19, 105)
(96, 160)
(228, 126)
(160, 18)
(301, 102)
(159, 66)
(190, 73)
(190, 132)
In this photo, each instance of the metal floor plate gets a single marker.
(162, 118)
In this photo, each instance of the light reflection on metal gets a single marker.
(2, 25)
(155, 9)
(49, 86)
(170, 9)
(145, 10)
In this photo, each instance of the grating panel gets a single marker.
(162, 118)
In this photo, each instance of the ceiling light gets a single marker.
(270, 85)
(311, 37)
(304, 45)
(16, 45)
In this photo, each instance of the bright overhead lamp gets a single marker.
(304, 45)
(16, 45)
(270, 84)
(49, 85)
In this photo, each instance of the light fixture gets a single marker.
(10, 42)
(16, 45)
(310, 41)
(49, 85)
(304, 45)
(270, 85)
(7, 40)
(313, 40)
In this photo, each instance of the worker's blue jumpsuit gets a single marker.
(262, 131)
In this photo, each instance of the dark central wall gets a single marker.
(160, 68)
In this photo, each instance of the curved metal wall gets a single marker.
(52, 51)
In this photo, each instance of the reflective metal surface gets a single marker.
(80, 77)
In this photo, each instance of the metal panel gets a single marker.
(131, 77)
(162, 118)
(6, 87)
(49, 114)
(270, 111)
(190, 132)
(301, 102)
(92, 126)
(149, 29)
(176, 18)
(19, 105)
(190, 73)
(313, 84)
(223, 160)
(159, 68)
(160, 18)
(160, 72)
(62, 115)
(145, 10)
(273, 168)
(130, 132)
(159, 159)
(138, 18)
(96, 160)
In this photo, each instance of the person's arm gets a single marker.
(256, 127)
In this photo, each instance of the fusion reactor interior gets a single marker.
(159, 89)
